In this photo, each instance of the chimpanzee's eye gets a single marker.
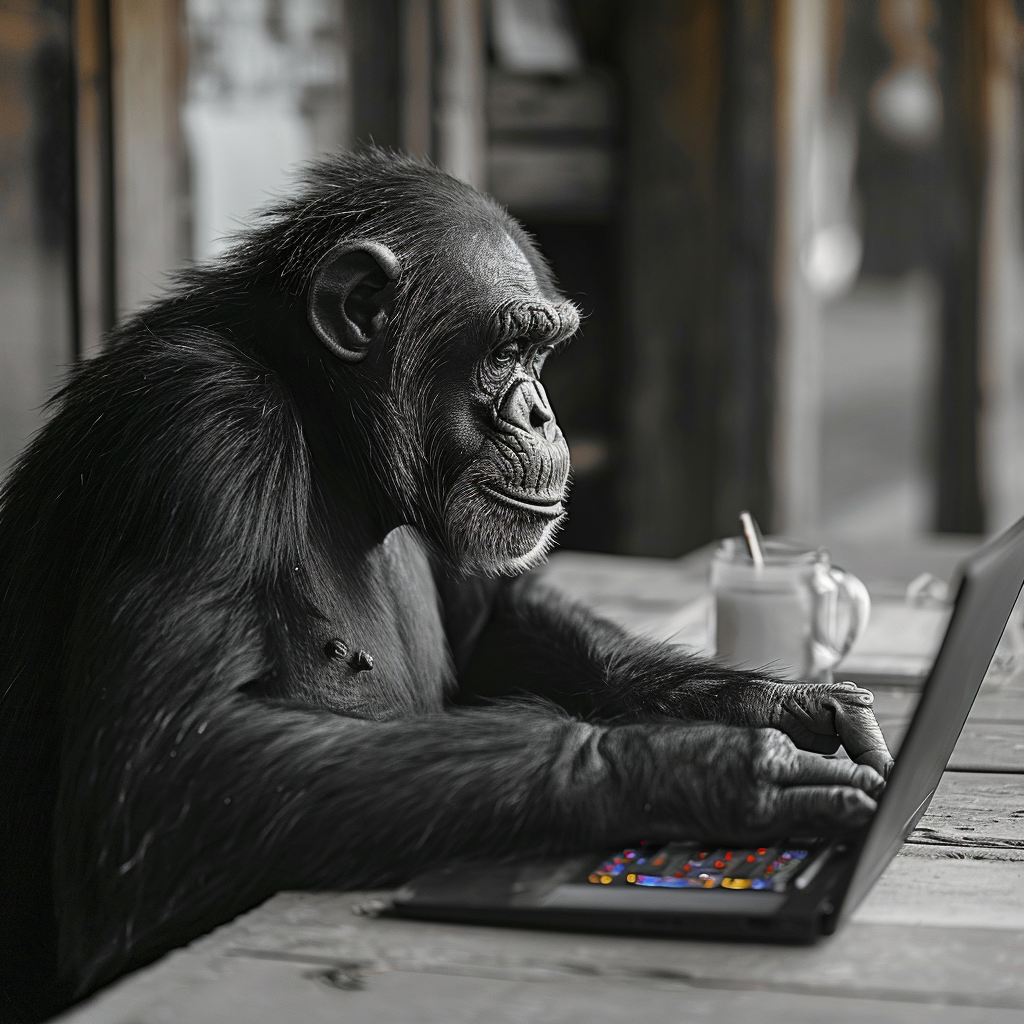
(506, 355)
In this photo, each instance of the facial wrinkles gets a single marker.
(491, 265)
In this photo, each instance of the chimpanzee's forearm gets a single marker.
(161, 839)
(185, 798)
(180, 824)
(540, 642)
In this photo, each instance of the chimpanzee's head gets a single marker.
(435, 314)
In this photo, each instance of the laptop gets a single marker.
(793, 891)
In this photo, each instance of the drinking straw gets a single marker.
(755, 542)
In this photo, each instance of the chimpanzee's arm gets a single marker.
(184, 799)
(540, 642)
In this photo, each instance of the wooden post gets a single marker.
(673, 72)
(37, 228)
(417, 77)
(959, 504)
(149, 154)
(1002, 271)
(461, 124)
(802, 48)
(699, 260)
(373, 32)
(747, 200)
(97, 295)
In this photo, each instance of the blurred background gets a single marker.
(795, 226)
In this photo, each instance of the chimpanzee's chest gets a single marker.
(378, 648)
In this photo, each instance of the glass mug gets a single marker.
(796, 618)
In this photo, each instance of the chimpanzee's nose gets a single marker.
(527, 408)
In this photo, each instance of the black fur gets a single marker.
(217, 500)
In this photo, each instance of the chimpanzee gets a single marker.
(260, 621)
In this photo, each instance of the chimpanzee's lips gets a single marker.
(527, 501)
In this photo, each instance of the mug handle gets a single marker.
(854, 595)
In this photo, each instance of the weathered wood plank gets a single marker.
(989, 747)
(884, 566)
(982, 966)
(895, 702)
(920, 888)
(984, 745)
(640, 594)
(941, 927)
(985, 811)
(257, 990)
(1002, 704)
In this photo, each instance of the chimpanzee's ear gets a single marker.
(349, 299)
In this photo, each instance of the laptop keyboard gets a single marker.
(689, 866)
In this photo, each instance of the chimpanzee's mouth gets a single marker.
(537, 504)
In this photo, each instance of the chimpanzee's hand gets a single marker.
(746, 785)
(820, 716)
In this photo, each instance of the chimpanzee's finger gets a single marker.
(805, 769)
(880, 761)
(809, 731)
(822, 809)
(858, 729)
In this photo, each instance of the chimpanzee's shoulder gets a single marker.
(187, 363)
(167, 444)
(187, 386)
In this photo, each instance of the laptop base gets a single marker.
(548, 895)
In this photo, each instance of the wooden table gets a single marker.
(940, 938)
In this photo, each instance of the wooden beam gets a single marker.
(959, 507)
(373, 31)
(1002, 271)
(700, 239)
(742, 477)
(673, 70)
(151, 210)
(417, 77)
(460, 118)
(97, 302)
(802, 50)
